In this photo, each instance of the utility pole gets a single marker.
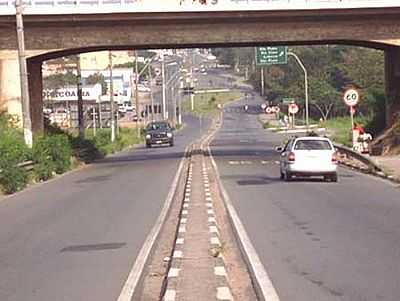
(305, 85)
(137, 93)
(151, 95)
(111, 98)
(164, 105)
(81, 125)
(94, 120)
(26, 114)
(180, 103)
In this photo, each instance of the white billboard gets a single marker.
(146, 6)
(71, 93)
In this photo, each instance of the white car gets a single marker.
(308, 156)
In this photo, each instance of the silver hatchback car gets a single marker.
(308, 156)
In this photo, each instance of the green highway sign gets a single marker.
(271, 55)
(287, 100)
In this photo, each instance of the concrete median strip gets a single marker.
(136, 272)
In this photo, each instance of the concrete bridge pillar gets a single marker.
(10, 91)
(35, 94)
(392, 73)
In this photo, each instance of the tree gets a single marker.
(97, 78)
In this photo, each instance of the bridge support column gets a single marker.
(10, 91)
(35, 95)
(392, 73)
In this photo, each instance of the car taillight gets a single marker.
(334, 158)
(291, 157)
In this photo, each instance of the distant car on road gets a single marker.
(159, 132)
(308, 156)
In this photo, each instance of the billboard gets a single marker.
(146, 6)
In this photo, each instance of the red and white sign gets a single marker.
(293, 108)
(264, 106)
(271, 110)
(351, 97)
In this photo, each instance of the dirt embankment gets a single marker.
(388, 143)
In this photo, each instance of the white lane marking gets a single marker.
(208, 194)
(208, 199)
(212, 219)
(220, 271)
(234, 162)
(182, 229)
(213, 229)
(206, 185)
(169, 295)
(173, 272)
(183, 220)
(224, 293)
(185, 212)
(207, 190)
(268, 291)
(186, 205)
(215, 241)
(177, 254)
(180, 241)
(210, 212)
(209, 205)
(134, 275)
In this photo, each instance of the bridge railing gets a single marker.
(7, 7)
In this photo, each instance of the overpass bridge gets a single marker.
(55, 28)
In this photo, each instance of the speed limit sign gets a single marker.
(351, 97)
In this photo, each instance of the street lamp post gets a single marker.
(26, 114)
(305, 85)
(164, 105)
(137, 93)
(111, 98)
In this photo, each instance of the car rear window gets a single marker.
(312, 145)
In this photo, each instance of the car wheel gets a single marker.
(171, 143)
(282, 176)
(334, 177)
(288, 177)
(148, 145)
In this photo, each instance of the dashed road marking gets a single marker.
(224, 293)
(220, 271)
(215, 241)
(173, 272)
(177, 254)
(180, 241)
(170, 295)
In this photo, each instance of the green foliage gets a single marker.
(13, 151)
(59, 80)
(97, 78)
(52, 154)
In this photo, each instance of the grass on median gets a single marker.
(207, 103)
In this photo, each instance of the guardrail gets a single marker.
(44, 7)
(372, 166)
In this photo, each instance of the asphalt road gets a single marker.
(77, 237)
(318, 241)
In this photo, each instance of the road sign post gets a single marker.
(293, 109)
(351, 98)
(270, 56)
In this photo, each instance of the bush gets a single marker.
(52, 154)
(13, 151)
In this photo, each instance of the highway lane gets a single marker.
(77, 237)
(318, 241)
